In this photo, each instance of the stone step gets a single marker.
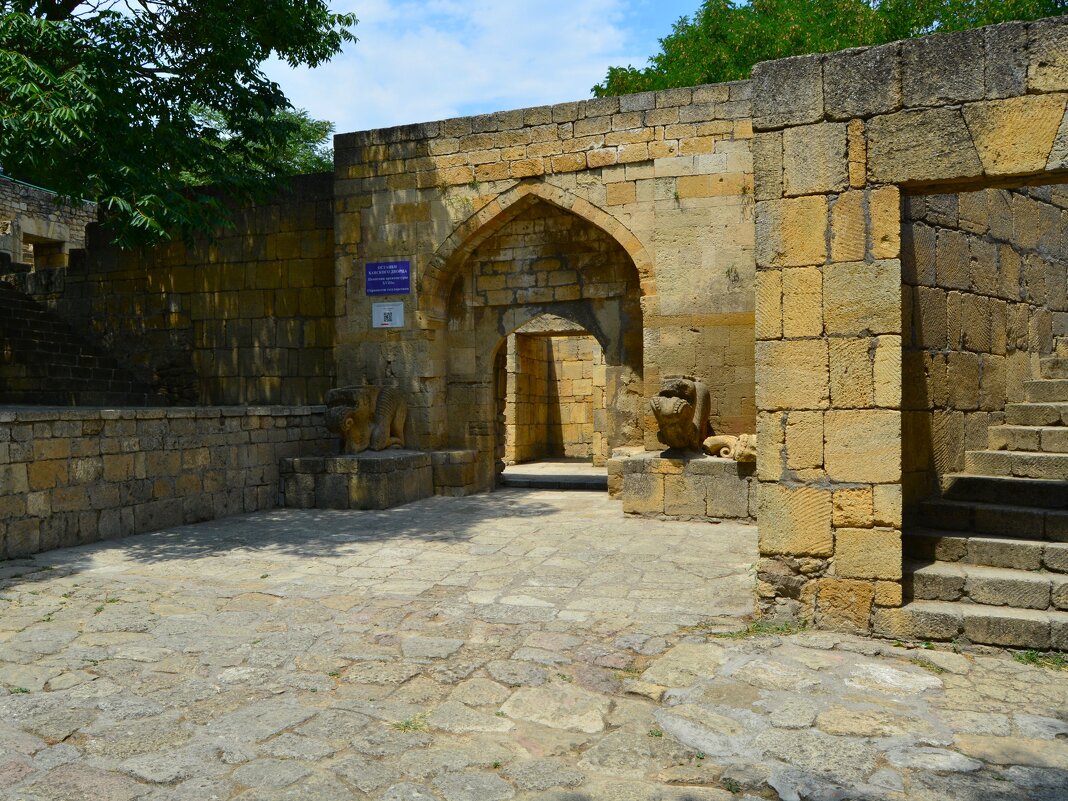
(1020, 464)
(1036, 414)
(978, 623)
(985, 549)
(1047, 439)
(1054, 367)
(1002, 520)
(1046, 390)
(1006, 490)
(981, 584)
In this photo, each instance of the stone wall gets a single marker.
(527, 400)
(664, 177)
(986, 275)
(577, 399)
(71, 476)
(837, 138)
(31, 216)
(245, 318)
(555, 404)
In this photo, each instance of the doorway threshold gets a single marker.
(558, 474)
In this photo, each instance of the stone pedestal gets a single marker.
(683, 486)
(368, 480)
(455, 472)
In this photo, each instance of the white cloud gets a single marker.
(419, 61)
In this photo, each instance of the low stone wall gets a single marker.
(692, 487)
(71, 476)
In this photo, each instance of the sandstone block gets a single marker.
(1047, 69)
(884, 211)
(643, 493)
(851, 373)
(768, 304)
(862, 298)
(863, 446)
(804, 440)
(848, 228)
(943, 69)
(862, 82)
(887, 372)
(853, 508)
(998, 128)
(921, 145)
(814, 159)
(767, 165)
(684, 495)
(794, 521)
(844, 604)
(802, 301)
(873, 553)
(792, 375)
(791, 232)
(788, 92)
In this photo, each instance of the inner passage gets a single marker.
(555, 399)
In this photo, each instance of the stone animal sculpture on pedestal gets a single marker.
(681, 408)
(367, 417)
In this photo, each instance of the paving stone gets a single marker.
(473, 787)
(269, 773)
(938, 760)
(558, 707)
(429, 647)
(542, 774)
(452, 716)
(295, 746)
(480, 692)
(516, 674)
(78, 782)
(259, 721)
(364, 774)
(406, 791)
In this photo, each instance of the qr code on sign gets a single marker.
(387, 317)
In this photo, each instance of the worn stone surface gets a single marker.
(535, 646)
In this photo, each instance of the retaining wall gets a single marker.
(71, 476)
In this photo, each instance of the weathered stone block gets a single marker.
(998, 130)
(849, 232)
(768, 323)
(920, 146)
(802, 302)
(792, 375)
(1047, 69)
(814, 159)
(787, 92)
(873, 553)
(863, 446)
(791, 232)
(862, 82)
(794, 521)
(943, 69)
(767, 165)
(844, 604)
(862, 298)
(643, 493)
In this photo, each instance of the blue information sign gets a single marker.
(388, 277)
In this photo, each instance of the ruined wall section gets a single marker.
(986, 275)
(247, 317)
(28, 213)
(667, 175)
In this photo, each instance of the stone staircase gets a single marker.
(987, 562)
(44, 362)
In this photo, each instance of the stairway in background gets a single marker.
(991, 555)
(43, 362)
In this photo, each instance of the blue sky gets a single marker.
(420, 61)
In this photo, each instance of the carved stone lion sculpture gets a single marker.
(681, 408)
(367, 417)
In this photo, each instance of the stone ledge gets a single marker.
(676, 486)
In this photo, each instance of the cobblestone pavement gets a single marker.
(518, 645)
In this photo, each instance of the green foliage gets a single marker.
(724, 38)
(136, 103)
(1052, 661)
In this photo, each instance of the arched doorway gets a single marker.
(544, 263)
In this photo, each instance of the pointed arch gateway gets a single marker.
(536, 252)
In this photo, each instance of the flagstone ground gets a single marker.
(528, 645)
